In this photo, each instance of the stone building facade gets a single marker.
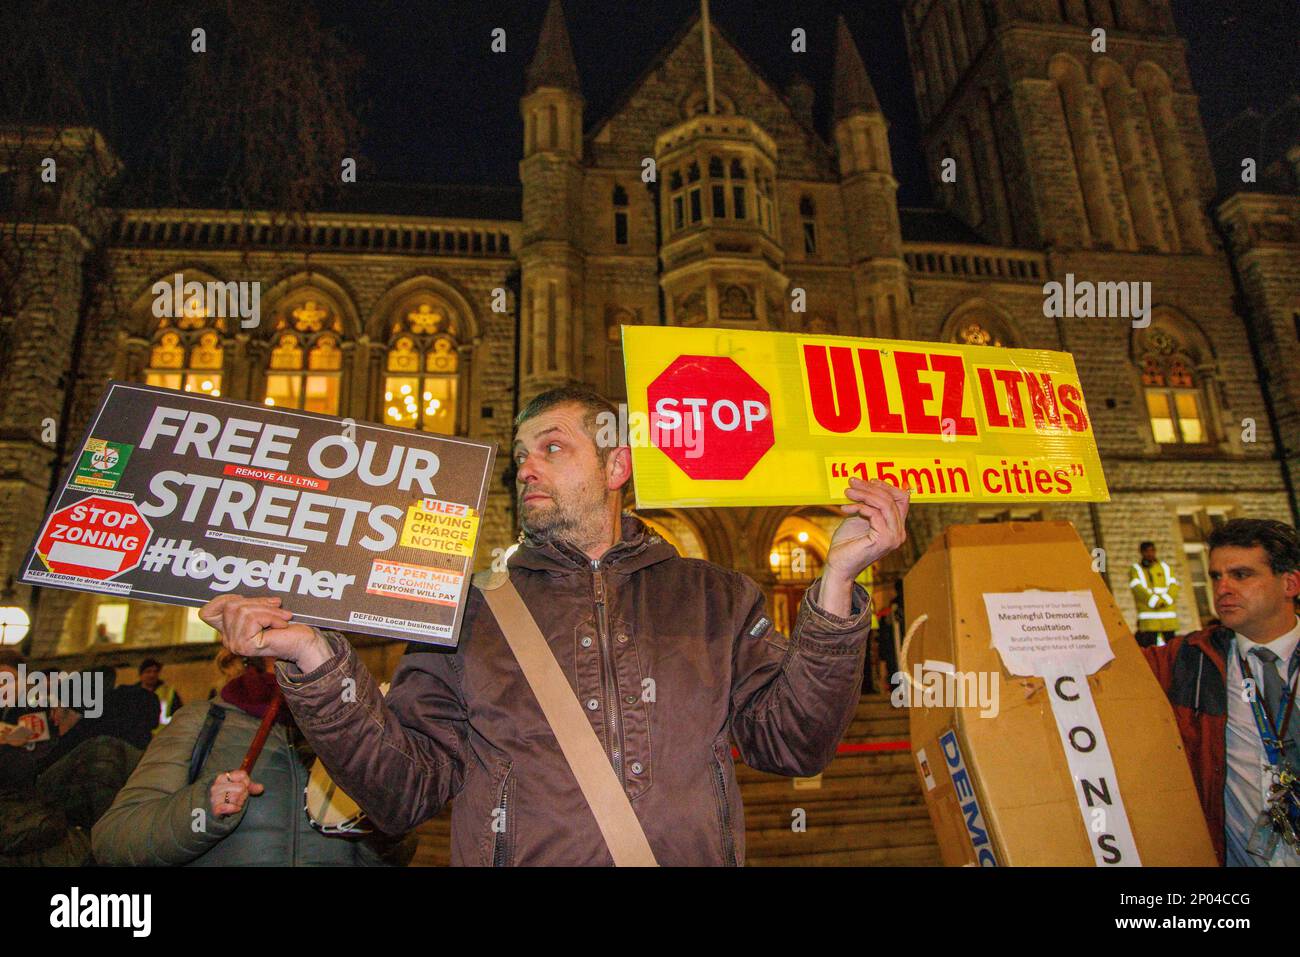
(1049, 158)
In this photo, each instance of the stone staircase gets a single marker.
(867, 811)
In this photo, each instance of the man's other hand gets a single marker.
(260, 628)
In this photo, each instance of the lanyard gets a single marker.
(1272, 736)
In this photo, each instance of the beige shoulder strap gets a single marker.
(582, 749)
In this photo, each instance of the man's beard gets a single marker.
(550, 523)
(574, 519)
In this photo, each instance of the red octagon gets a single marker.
(97, 537)
(710, 417)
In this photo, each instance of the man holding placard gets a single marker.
(1233, 690)
(663, 658)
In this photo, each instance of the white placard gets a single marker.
(1059, 637)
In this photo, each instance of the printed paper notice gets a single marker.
(414, 582)
(446, 527)
(1036, 631)
(1058, 636)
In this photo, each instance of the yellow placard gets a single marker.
(436, 526)
(734, 417)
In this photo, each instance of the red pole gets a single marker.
(259, 740)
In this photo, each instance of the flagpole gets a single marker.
(708, 52)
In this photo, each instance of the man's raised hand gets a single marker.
(876, 525)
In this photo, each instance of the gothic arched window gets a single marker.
(188, 352)
(1173, 403)
(972, 332)
(306, 360)
(977, 323)
(1174, 369)
(423, 369)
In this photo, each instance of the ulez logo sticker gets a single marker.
(101, 464)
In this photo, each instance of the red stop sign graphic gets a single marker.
(709, 416)
(98, 538)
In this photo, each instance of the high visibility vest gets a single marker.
(166, 705)
(1155, 591)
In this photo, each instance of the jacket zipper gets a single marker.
(499, 839)
(728, 842)
(607, 664)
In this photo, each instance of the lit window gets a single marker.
(196, 629)
(110, 621)
(1195, 526)
(306, 360)
(422, 372)
(1174, 401)
(188, 353)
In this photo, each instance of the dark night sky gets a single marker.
(438, 106)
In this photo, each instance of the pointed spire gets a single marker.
(553, 60)
(852, 92)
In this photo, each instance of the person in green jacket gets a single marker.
(161, 818)
(34, 832)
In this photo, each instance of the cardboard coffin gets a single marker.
(999, 788)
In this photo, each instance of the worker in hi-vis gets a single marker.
(1155, 590)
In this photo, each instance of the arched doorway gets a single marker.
(796, 557)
